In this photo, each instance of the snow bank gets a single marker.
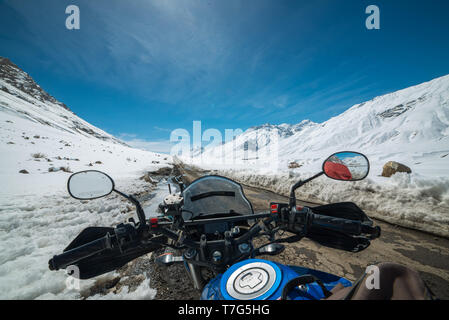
(142, 292)
(34, 228)
(406, 200)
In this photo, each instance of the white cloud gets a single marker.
(162, 146)
(162, 129)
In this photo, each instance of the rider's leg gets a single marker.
(396, 282)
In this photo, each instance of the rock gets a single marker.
(65, 169)
(38, 155)
(98, 162)
(147, 178)
(24, 171)
(293, 165)
(164, 171)
(391, 167)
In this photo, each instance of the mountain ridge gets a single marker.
(9, 72)
(358, 105)
(38, 105)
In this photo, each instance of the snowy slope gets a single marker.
(38, 134)
(410, 126)
(37, 217)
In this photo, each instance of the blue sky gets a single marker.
(140, 69)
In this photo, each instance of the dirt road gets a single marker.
(427, 254)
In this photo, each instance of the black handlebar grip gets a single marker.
(374, 232)
(69, 257)
(338, 224)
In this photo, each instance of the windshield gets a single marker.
(214, 195)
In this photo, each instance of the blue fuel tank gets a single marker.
(257, 279)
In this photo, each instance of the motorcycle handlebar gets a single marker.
(70, 257)
(306, 218)
(352, 227)
(347, 226)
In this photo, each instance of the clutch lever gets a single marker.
(167, 259)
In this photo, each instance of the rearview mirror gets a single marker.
(90, 184)
(347, 166)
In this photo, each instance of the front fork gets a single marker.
(194, 273)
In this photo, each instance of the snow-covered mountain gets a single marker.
(409, 126)
(42, 140)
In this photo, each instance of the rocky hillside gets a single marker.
(22, 96)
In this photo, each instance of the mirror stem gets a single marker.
(139, 210)
(292, 200)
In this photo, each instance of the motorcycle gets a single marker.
(213, 225)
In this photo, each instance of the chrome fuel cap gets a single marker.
(252, 279)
